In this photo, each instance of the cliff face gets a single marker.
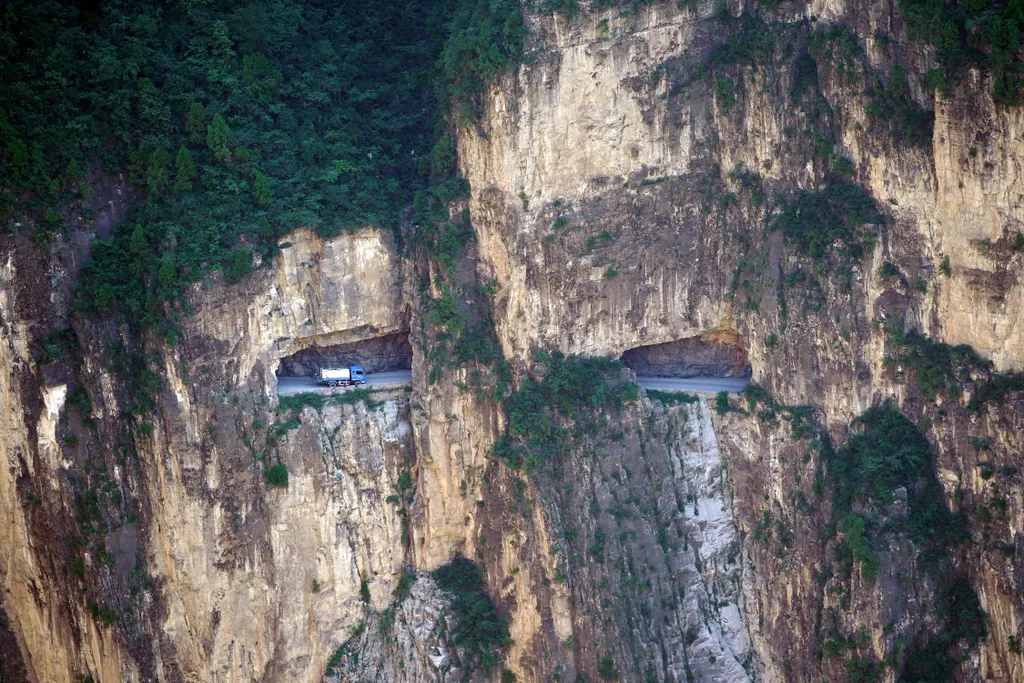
(621, 204)
(211, 573)
(625, 185)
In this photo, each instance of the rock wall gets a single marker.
(46, 634)
(181, 562)
(620, 200)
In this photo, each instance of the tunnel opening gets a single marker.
(717, 354)
(387, 353)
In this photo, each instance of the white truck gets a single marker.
(335, 377)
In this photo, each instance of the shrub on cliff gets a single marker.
(572, 390)
(969, 35)
(480, 632)
(277, 475)
(830, 221)
(486, 38)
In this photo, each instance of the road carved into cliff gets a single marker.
(700, 385)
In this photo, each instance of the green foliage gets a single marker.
(572, 390)
(185, 167)
(839, 48)
(938, 368)
(970, 34)
(722, 403)
(864, 671)
(480, 632)
(218, 139)
(446, 314)
(262, 189)
(725, 93)
(277, 475)
(236, 123)
(890, 452)
(996, 388)
(240, 266)
(830, 220)
(295, 403)
(606, 668)
(486, 39)
(933, 658)
(478, 344)
(57, 346)
(852, 528)
(805, 76)
(671, 398)
(889, 269)
(752, 45)
(892, 104)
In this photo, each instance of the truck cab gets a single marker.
(358, 375)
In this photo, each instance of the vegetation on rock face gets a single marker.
(830, 220)
(479, 632)
(970, 34)
(889, 455)
(290, 407)
(672, 398)
(888, 465)
(486, 38)
(892, 103)
(941, 369)
(544, 414)
(234, 124)
(277, 475)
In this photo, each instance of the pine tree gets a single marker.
(138, 242)
(158, 177)
(196, 124)
(262, 189)
(166, 272)
(217, 137)
(186, 170)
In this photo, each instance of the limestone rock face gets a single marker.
(622, 197)
(264, 582)
(319, 293)
(212, 573)
(45, 634)
(416, 648)
(621, 202)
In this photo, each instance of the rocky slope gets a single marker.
(625, 183)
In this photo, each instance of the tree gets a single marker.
(138, 242)
(186, 170)
(262, 189)
(166, 272)
(158, 177)
(217, 137)
(240, 266)
(196, 124)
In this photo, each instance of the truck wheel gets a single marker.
(332, 384)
